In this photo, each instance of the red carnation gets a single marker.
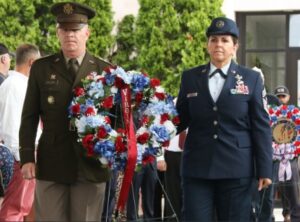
(164, 117)
(176, 120)
(90, 111)
(76, 109)
(154, 82)
(166, 143)
(160, 96)
(148, 159)
(295, 111)
(297, 121)
(121, 131)
(87, 143)
(278, 112)
(289, 115)
(79, 91)
(107, 120)
(120, 146)
(143, 138)
(297, 151)
(145, 120)
(107, 69)
(284, 107)
(101, 133)
(271, 111)
(297, 143)
(108, 102)
(119, 83)
(138, 97)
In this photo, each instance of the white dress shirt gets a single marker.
(12, 95)
(216, 82)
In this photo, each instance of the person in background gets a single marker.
(5, 60)
(222, 105)
(173, 155)
(69, 185)
(19, 195)
(263, 200)
(289, 189)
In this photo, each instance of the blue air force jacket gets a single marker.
(228, 138)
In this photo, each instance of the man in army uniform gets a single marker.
(69, 186)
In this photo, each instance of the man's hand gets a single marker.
(161, 165)
(28, 171)
(263, 183)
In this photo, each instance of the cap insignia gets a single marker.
(220, 24)
(68, 9)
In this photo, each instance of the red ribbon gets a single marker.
(132, 149)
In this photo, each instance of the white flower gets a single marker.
(114, 90)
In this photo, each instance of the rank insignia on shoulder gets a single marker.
(51, 100)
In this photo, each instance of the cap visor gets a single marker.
(282, 94)
(70, 25)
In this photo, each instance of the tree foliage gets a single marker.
(31, 21)
(124, 48)
(170, 36)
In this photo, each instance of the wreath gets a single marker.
(285, 123)
(91, 111)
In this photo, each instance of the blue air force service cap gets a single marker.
(222, 26)
(72, 15)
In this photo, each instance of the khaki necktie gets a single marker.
(73, 67)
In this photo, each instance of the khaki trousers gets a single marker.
(82, 201)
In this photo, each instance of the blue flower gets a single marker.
(160, 133)
(110, 79)
(122, 74)
(96, 90)
(105, 149)
(139, 82)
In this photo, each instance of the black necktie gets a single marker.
(73, 67)
(218, 71)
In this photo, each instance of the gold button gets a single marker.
(215, 136)
(215, 108)
(215, 122)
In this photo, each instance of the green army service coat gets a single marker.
(59, 156)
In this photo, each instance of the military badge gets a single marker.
(68, 9)
(240, 87)
(51, 100)
(220, 24)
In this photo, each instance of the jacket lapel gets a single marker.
(204, 82)
(230, 81)
(87, 66)
(59, 67)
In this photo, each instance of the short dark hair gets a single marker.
(25, 52)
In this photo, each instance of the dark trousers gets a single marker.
(173, 186)
(110, 197)
(229, 198)
(158, 195)
(290, 189)
(144, 179)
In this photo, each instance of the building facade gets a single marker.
(270, 40)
